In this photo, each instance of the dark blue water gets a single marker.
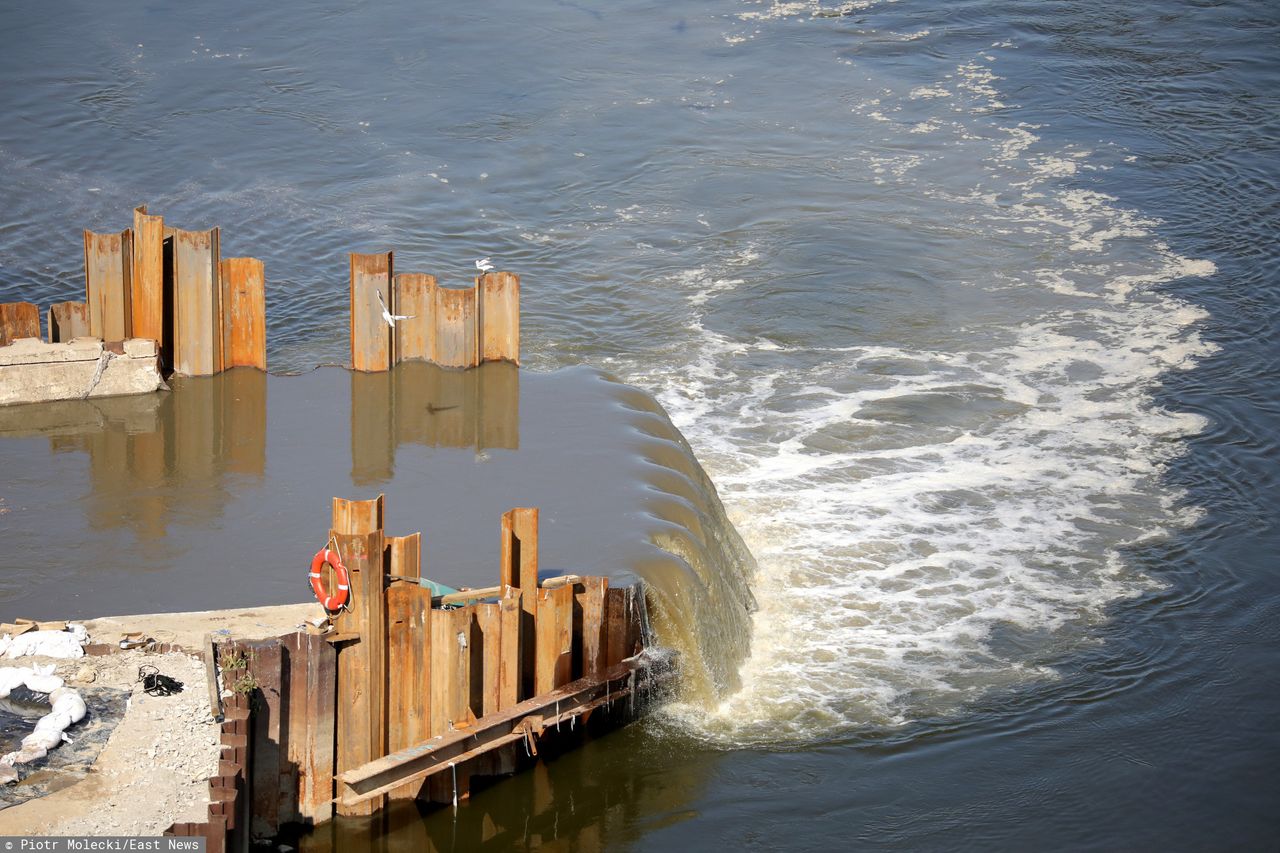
(969, 309)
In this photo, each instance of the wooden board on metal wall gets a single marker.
(455, 338)
(244, 314)
(197, 323)
(108, 263)
(499, 316)
(371, 337)
(415, 299)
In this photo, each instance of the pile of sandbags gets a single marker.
(67, 709)
(32, 639)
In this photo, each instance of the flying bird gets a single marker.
(388, 316)
(484, 265)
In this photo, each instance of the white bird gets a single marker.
(484, 265)
(388, 316)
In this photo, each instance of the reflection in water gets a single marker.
(154, 458)
(599, 797)
(420, 403)
(179, 489)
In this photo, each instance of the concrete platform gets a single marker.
(32, 371)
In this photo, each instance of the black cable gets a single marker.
(155, 684)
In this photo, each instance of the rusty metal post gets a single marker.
(499, 316)
(372, 339)
(244, 315)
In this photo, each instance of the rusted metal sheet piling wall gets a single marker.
(208, 314)
(409, 696)
(409, 316)
(18, 320)
(163, 284)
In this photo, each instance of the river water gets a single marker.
(968, 309)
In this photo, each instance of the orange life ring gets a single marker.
(338, 598)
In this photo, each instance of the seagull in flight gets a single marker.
(484, 265)
(388, 316)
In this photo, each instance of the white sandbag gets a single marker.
(12, 676)
(45, 740)
(28, 754)
(81, 632)
(7, 773)
(67, 701)
(50, 644)
(44, 683)
(54, 721)
(5, 640)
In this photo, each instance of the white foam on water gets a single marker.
(932, 523)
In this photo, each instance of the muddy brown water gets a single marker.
(217, 494)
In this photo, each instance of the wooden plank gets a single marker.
(197, 294)
(615, 626)
(372, 344)
(312, 718)
(67, 321)
(455, 333)
(408, 669)
(244, 317)
(519, 569)
(362, 709)
(554, 653)
(108, 268)
(588, 629)
(146, 282)
(415, 298)
(499, 316)
(509, 726)
(488, 619)
(19, 320)
(511, 613)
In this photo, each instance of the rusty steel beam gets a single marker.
(524, 720)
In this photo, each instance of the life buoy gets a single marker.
(338, 598)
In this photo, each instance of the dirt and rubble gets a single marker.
(154, 769)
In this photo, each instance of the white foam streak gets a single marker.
(912, 508)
